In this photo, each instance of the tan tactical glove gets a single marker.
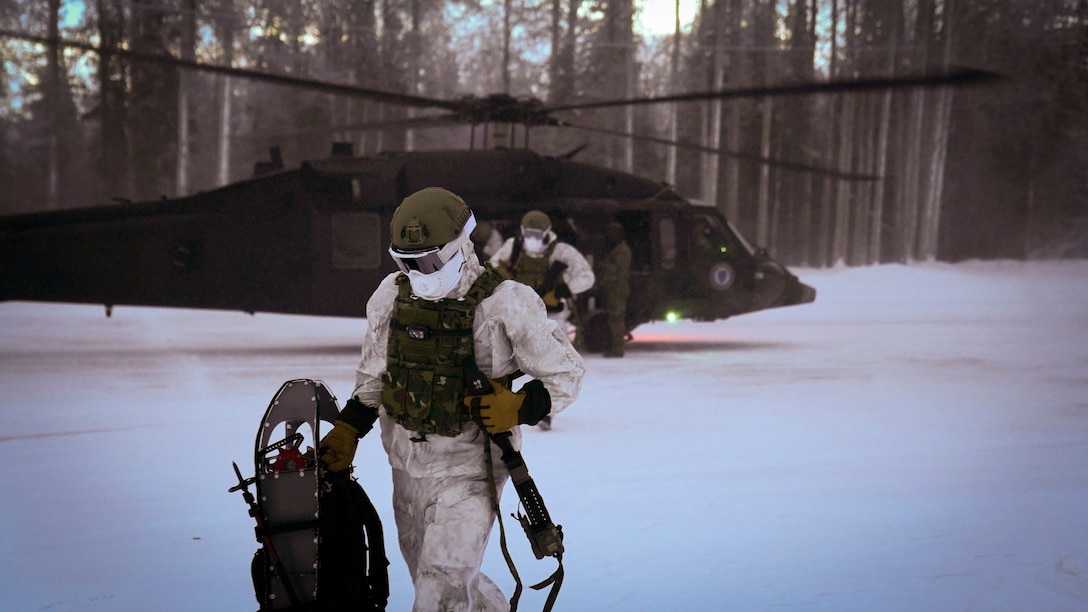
(338, 446)
(550, 300)
(502, 409)
(552, 297)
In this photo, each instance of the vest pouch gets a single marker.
(424, 400)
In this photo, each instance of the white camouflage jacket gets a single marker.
(578, 276)
(511, 331)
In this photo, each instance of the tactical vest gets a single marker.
(429, 341)
(533, 270)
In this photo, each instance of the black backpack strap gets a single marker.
(515, 250)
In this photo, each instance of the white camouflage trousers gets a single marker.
(443, 525)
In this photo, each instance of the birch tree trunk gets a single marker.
(927, 248)
(507, 7)
(764, 219)
(713, 109)
(827, 193)
(188, 53)
(674, 81)
(733, 129)
(879, 189)
(223, 93)
(415, 46)
(114, 166)
(861, 214)
(53, 109)
(844, 153)
(876, 228)
(914, 171)
(627, 15)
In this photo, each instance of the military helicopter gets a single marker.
(312, 240)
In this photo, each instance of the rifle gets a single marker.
(545, 537)
(552, 278)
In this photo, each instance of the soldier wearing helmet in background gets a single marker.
(555, 269)
(423, 322)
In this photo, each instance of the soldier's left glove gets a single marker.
(338, 446)
(502, 409)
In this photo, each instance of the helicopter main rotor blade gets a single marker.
(958, 76)
(414, 123)
(768, 161)
(281, 79)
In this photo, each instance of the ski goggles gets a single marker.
(431, 260)
(529, 233)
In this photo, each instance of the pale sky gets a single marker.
(658, 17)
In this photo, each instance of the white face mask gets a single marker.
(437, 285)
(534, 246)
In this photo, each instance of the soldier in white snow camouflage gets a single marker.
(443, 306)
(556, 270)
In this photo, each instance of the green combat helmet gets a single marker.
(536, 232)
(428, 230)
(537, 220)
(430, 218)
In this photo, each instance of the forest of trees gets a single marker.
(996, 170)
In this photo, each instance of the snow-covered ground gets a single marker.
(916, 439)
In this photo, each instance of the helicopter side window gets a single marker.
(666, 229)
(356, 241)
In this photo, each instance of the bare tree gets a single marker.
(225, 27)
(185, 79)
(52, 79)
(114, 163)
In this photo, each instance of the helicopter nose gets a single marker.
(807, 294)
(776, 286)
(795, 292)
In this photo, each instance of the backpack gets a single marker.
(353, 570)
(321, 539)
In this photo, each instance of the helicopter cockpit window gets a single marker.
(356, 241)
(711, 237)
(667, 232)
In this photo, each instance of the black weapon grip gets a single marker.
(551, 278)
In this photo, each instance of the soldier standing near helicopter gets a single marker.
(556, 270)
(426, 324)
(615, 287)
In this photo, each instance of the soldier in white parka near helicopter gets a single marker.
(441, 496)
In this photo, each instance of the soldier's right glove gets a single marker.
(338, 446)
(553, 297)
(550, 299)
(502, 409)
